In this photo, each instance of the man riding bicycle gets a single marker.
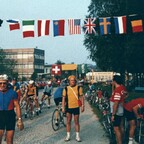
(31, 93)
(58, 99)
(47, 93)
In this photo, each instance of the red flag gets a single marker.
(56, 69)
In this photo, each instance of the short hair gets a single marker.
(71, 76)
(117, 79)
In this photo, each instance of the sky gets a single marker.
(68, 48)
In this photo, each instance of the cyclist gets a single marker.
(47, 93)
(131, 114)
(99, 95)
(8, 101)
(32, 93)
(16, 87)
(70, 99)
(116, 105)
(58, 99)
(92, 87)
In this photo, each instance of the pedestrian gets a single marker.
(116, 104)
(71, 95)
(8, 101)
(131, 114)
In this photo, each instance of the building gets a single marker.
(99, 76)
(29, 60)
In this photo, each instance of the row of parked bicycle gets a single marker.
(100, 100)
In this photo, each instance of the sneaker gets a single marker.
(25, 115)
(37, 112)
(78, 139)
(56, 123)
(67, 138)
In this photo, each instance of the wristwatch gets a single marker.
(19, 118)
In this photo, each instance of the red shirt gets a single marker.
(99, 93)
(129, 106)
(118, 94)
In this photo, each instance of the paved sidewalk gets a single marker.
(39, 130)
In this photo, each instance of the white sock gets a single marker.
(77, 134)
(68, 134)
(130, 140)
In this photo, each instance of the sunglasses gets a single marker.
(4, 83)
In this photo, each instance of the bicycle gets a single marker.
(30, 110)
(140, 127)
(57, 121)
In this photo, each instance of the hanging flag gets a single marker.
(74, 26)
(104, 25)
(137, 26)
(58, 27)
(14, 24)
(89, 26)
(120, 24)
(28, 28)
(56, 70)
(43, 27)
(1, 21)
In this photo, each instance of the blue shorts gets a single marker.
(74, 111)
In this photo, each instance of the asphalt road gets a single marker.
(39, 130)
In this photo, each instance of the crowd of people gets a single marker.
(72, 98)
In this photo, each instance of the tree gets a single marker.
(59, 62)
(6, 65)
(34, 76)
(113, 52)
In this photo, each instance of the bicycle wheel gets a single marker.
(63, 118)
(56, 120)
(141, 133)
(31, 115)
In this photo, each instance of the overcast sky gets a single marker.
(68, 48)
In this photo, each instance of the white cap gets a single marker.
(49, 82)
(31, 82)
(3, 77)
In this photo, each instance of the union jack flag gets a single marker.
(89, 25)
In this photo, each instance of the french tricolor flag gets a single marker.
(120, 24)
(13, 24)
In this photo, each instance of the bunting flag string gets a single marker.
(90, 26)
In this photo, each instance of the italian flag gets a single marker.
(28, 28)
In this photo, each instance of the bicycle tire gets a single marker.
(31, 115)
(54, 125)
(63, 119)
(141, 133)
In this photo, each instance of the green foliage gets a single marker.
(34, 76)
(6, 65)
(115, 52)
